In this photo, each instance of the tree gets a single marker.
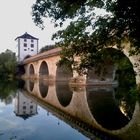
(88, 32)
(46, 48)
(8, 64)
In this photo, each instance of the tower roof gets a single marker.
(26, 36)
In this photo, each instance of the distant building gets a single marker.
(27, 46)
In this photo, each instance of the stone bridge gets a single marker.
(44, 66)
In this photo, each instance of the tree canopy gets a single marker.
(8, 63)
(88, 32)
(46, 48)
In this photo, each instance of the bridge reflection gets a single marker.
(64, 94)
(43, 89)
(92, 110)
(104, 108)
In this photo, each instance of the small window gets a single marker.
(31, 107)
(32, 50)
(32, 45)
(25, 49)
(25, 45)
(24, 107)
(25, 40)
(32, 40)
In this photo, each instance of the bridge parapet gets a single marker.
(43, 55)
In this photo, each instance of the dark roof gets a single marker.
(24, 116)
(26, 36)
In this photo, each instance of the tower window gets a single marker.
(32, 45)
(32, 40)
(25, 49)
(25, 45)
(24, 107)
(25, 40)
(31, 107)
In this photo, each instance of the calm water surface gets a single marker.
(36, 110)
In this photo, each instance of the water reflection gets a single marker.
(100, 107)
(105, 109)
(96, 112)
(64, 94)
(23, 106)
(31, 85)
(43, 88)
(7, 91)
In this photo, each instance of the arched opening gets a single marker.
(43, 88)
(27, 56)
(108, 76)
(111, 65)
(64, 94)
(43, 70)
(63, 73)
(31, 70)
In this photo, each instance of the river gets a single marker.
(39, 110)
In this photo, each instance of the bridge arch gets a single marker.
(134, 59)
(43, 69)
(63, 73)
(110, 65)
(31, 69)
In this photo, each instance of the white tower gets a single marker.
(27, 46)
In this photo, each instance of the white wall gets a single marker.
(24, 51)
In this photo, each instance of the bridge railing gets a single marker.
(46, 54)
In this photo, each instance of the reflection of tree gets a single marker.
(126, 99)
(127, 90)
(7, 90)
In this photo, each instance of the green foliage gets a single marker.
(46, 48)
(127, 91)
(8, 64)
(7, 88)
(88, 32)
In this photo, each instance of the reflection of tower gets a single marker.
(27, 46)
(24, 107)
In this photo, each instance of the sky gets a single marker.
(16, 19)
